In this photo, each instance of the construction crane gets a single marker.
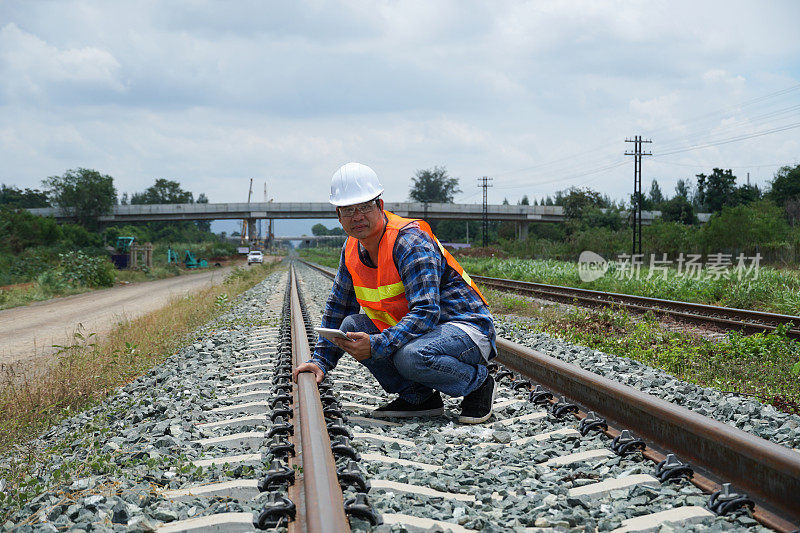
(245, 236)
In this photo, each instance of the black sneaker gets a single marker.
(476, 407)
(400, 408)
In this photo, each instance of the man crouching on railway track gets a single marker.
(426, 327)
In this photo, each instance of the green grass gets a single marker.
(87, 371)
(774, 290)
(327, 257)
(764, 365)
(37, 276)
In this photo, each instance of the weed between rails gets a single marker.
(761, 365)
(86, 371)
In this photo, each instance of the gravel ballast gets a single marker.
(739, 411)
(513, 489)
(140, 442)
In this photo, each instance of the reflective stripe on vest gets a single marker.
(380, 291)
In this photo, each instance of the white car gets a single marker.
(255, 257)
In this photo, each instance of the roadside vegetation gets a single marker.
(41, 259)
(766, 366)
(83, 373)
(736, 218)
(773, 290)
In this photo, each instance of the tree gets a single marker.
(163, 191)
(758, 224)
(575, 201)
(524, 200)
(203, 225)
(433, 186)
(20, 229)
(746, 194)
(785, 185)
(678, 209)
(83, 194)
(595, 217)
(682, 189)
(29, 198)
(716, 191)
(319, 229)
(655, 197)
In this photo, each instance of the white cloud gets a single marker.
(540, 95)
(33, 68)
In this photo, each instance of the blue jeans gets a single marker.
(444, 359)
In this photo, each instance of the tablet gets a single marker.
(331, 334)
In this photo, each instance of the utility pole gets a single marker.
(484, 182)
(636, 208)
(246, 233)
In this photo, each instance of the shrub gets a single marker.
(79, 237)
(31, 263)
(20, 230)
(52, 282)
(755, 224)
(80, 269)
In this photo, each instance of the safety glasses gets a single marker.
(350, 210)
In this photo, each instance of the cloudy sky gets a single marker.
(538, 95)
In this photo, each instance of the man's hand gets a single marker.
(358, 346)
(309, 367)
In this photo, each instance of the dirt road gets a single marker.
(28, 333)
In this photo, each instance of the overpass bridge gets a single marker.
(310, 238)
(522, 215)
(298, 210)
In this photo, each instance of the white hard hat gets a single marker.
(354, 183)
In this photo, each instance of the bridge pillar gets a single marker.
(522, 230)
(252, 231)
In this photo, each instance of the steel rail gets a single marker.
(723, 317)
(322, 509)
(768, 471)
(764, 469)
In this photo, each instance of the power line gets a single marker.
(732, 139)
(668, 143)
(568, 177)
(765, 165)
(674, 144)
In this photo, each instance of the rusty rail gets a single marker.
(320, 504)
(765, 470)
(727, 318)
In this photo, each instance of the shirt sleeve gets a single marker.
(341, 304)
(421, 267)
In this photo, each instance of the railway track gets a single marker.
(724, 318)
(537, 390)
(220, 439)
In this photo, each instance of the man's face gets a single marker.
(362, 224)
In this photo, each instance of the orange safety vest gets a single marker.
(380, 291)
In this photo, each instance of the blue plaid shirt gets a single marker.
(435, 292)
